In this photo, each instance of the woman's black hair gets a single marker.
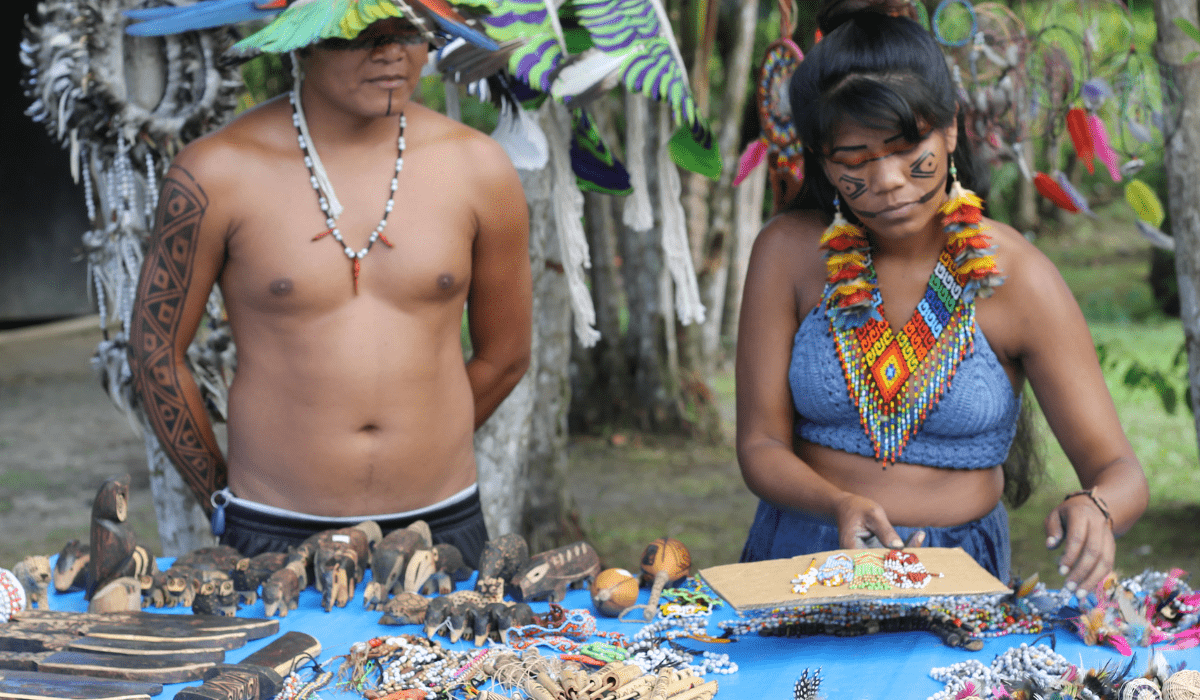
(883, 72)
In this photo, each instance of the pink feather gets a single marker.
(1120, 644)
(753, 156)
(1104, 149)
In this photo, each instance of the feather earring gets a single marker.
(962, 220)
(847, 259)
(1048, 188)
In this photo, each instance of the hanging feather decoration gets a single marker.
(639, 34)
(752, 157)
(1144, 203)
(1048, 188)
(1077, 127)
(1075, 196)
(1104, 150)
(537, 62)
(596, 168)
(518, 133)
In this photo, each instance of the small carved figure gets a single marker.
(449, 560)
(281, 592)
(34, 574)
(251, 572)
(421, 566)
(111, 542)
(216, 598)
(547, 575)
(389, 560)
(71, 568)
(119, 595)
(406, 608)
(217, 558)
(503, 557)
(340, 559)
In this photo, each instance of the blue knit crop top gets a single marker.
(971, 427)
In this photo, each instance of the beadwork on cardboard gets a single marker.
(768, 584)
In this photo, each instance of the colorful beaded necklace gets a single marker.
(329, 204)
(896, 379)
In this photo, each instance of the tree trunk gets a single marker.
(1181, 136)
(748, 207)
(648, 287)
(549, 519)
(714, 269)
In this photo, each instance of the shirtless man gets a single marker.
(352, 400)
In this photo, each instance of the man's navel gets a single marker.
(281, 287)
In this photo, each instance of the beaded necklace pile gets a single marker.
(323, 187)
(895, 379)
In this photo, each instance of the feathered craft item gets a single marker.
(1077, 127)
(847, 259)
(1144, 203)
(632, 44)
(1152, 608)
(300, 23)
(1104, 151)
(1051, 190)
(1072, 193)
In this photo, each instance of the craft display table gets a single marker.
(891, 666)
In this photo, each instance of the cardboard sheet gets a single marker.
(768, 584)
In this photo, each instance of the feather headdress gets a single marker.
(299, 23)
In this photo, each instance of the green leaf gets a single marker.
(1188, 28)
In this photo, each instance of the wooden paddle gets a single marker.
(252, 627)
(200, 650)
(120, 666)
(25, 685)
(258, 676)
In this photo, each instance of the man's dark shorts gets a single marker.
(252, 530)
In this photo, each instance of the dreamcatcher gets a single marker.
(778, 145)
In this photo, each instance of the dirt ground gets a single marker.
(61, 437)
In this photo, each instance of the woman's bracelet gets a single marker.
(1091, 493)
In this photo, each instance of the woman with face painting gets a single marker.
(888, 329)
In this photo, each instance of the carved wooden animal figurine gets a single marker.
(119, 595)
(251, 572)
(547, 575)
(217, 558)
(446, 615)
(216, 598)
(34, 574)
(406, 608)
(438, 583)
(389, 560)
(71, 568)
(340, 561)
(501, 559)
(421, 565)
(111, 541)
(281, 592)
(449, 560)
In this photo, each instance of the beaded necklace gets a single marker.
(896, 379)
(313, 162)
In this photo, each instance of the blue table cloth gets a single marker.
(893, 666)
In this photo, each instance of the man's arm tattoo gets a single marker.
(925, 166)
(855, 186)
(162, 289)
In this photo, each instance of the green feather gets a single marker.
(691, 155)
(303, 24)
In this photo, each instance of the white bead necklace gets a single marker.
(321, 185)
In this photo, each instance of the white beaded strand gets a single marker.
(326, 197)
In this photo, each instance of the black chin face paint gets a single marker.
(389, 112)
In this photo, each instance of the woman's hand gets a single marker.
(1086, 530)
(859, 519)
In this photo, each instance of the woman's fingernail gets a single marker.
(1051, 542)
(1070, 586)
(1062, 571)
(897, 544)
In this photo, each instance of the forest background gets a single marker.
(651, 412)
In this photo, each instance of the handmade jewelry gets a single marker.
(903, 570)
(807, 686)
(896, 379)
(656, 644)
(1099, 502)
(1040, 663)
(567, 632)
(1152, 608)
(12, 595)
(311, 160)
(837, 569)
(869, 573)
(806, 580)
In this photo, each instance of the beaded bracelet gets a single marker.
(1091, 493)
